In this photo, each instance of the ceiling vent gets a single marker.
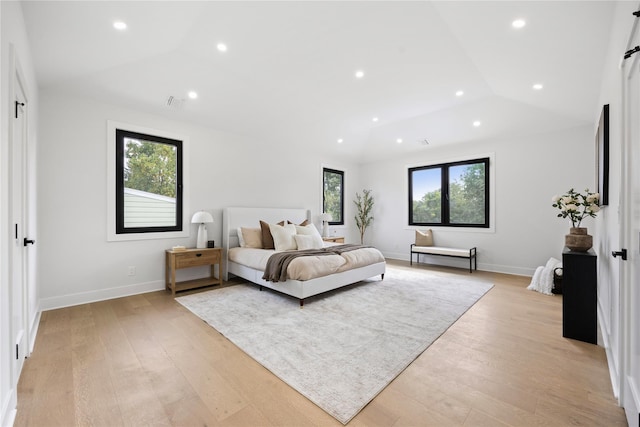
(174, 103)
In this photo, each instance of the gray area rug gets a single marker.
(344, 347)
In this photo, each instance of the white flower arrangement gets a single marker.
(577, 206)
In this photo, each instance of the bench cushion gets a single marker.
(437, 250)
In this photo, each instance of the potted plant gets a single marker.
(577, 206)
(364, 216)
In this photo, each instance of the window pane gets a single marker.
(426, 192)
(333, 197)
(467, 194)
(147, 184)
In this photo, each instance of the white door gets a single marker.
(17, 188)
(630, 239)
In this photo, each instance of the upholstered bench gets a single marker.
(424, 245)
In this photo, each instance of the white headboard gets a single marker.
(232, 218)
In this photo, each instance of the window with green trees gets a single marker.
(333, 195)
(148, 183)
(450, 194)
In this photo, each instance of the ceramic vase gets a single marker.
(578, 240)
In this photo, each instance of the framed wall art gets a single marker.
(602, 156)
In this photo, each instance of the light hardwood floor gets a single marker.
(146, 360)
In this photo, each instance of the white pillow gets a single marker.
(283, 237)
(311, 230)
(241, 238)
(307, 242)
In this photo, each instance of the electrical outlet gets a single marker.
(132, 270)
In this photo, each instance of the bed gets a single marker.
(234, 218)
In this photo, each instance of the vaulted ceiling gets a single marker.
(288, 74)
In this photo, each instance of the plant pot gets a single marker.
(578, 240)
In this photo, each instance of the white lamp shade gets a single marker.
(201, 217)
(325, 216)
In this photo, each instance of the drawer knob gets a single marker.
(198, 254)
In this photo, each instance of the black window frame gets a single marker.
(444, 201)
(341, 173)
(121, 134)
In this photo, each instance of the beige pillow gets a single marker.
(283, 237)
(252, 237)
(267, 239)
(424, 238)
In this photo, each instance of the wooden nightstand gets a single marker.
(175, 260)
(334, 239)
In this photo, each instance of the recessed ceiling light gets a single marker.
(477, 123)
(192, 95)
(119, 25)
(399, 141)
(359, 74)
(518, 23)
(537, 86)
(375, 119)
(340, 140)
(459, 93)
(221, 47)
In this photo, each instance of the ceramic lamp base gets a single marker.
(202, 237)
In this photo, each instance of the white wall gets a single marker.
(13, 34)
(77, 264)
(528, 173)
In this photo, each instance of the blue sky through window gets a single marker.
(427, 180)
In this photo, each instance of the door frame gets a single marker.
(18, 83)
(629, 396)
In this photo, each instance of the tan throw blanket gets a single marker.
(276, 270)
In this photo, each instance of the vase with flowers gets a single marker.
(577, 206)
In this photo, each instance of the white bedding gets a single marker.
(308, 267)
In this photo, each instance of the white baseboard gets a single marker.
(631, 401)
(33, 330)
(463, 263)
(8, 414)
(611, 360)
(100, 295)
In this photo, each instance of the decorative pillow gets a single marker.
(303, 223)
(283, 237)
(310, 230)
(424, 238)
(307, 241)
(241, 238)
(267, 239)
(251, 237)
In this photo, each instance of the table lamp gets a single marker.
(325, 218)
(201, 217)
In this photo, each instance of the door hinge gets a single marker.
(18, 104)
(630, 52)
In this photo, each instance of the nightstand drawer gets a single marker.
(192, 259)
